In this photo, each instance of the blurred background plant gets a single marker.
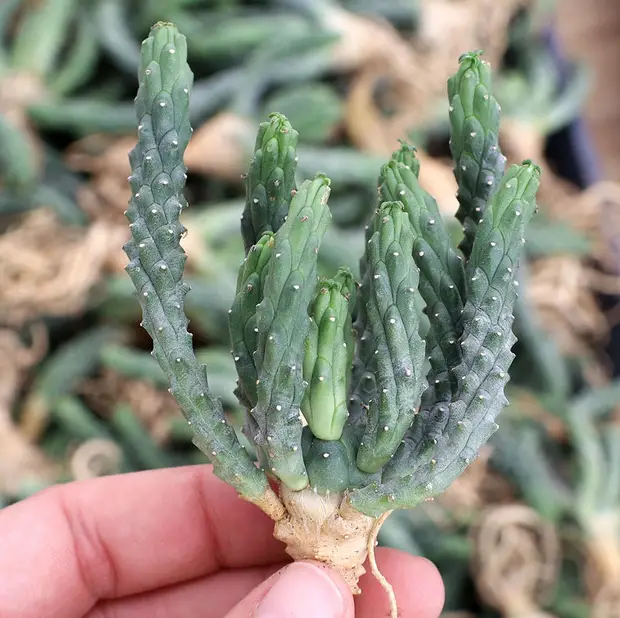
(533, 527)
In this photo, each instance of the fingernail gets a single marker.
(303, 590)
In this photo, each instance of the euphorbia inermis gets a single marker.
(361, 397)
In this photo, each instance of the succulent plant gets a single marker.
(348, 419)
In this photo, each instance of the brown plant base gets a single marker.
(21, 462)
(328, 529)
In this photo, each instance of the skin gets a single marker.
(178, 543)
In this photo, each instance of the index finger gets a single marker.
(71, 545)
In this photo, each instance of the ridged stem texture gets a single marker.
(282, 326)
(157, 258)
(270, 181)
(445, 437)
(478, 162)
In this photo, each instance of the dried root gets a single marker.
(561, 289)
(515, 560)
(328, 529)
(606, 604)
(447, 27)
(20, 462)
(601, 550)
(94, 458)
(564, 288)
(49, 269)
(221, 147)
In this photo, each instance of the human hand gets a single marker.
(178, 543)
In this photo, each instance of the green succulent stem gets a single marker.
(446, 436)
(478, 161)
(282, 326)
(243, 317)
(442, 287)
(157, 259)
(392, 280)
(270, 181)
(360, 398)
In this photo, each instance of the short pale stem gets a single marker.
(328, 529)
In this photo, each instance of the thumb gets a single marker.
(299, 590)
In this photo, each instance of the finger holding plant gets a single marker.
(347, 420)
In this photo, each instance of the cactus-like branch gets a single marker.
(283, 323)
(242, 316)
(392, 279)
(363, 383)
(157, 259)
(270, 182)
(446, 437)
(478, 161)
(442, 277)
